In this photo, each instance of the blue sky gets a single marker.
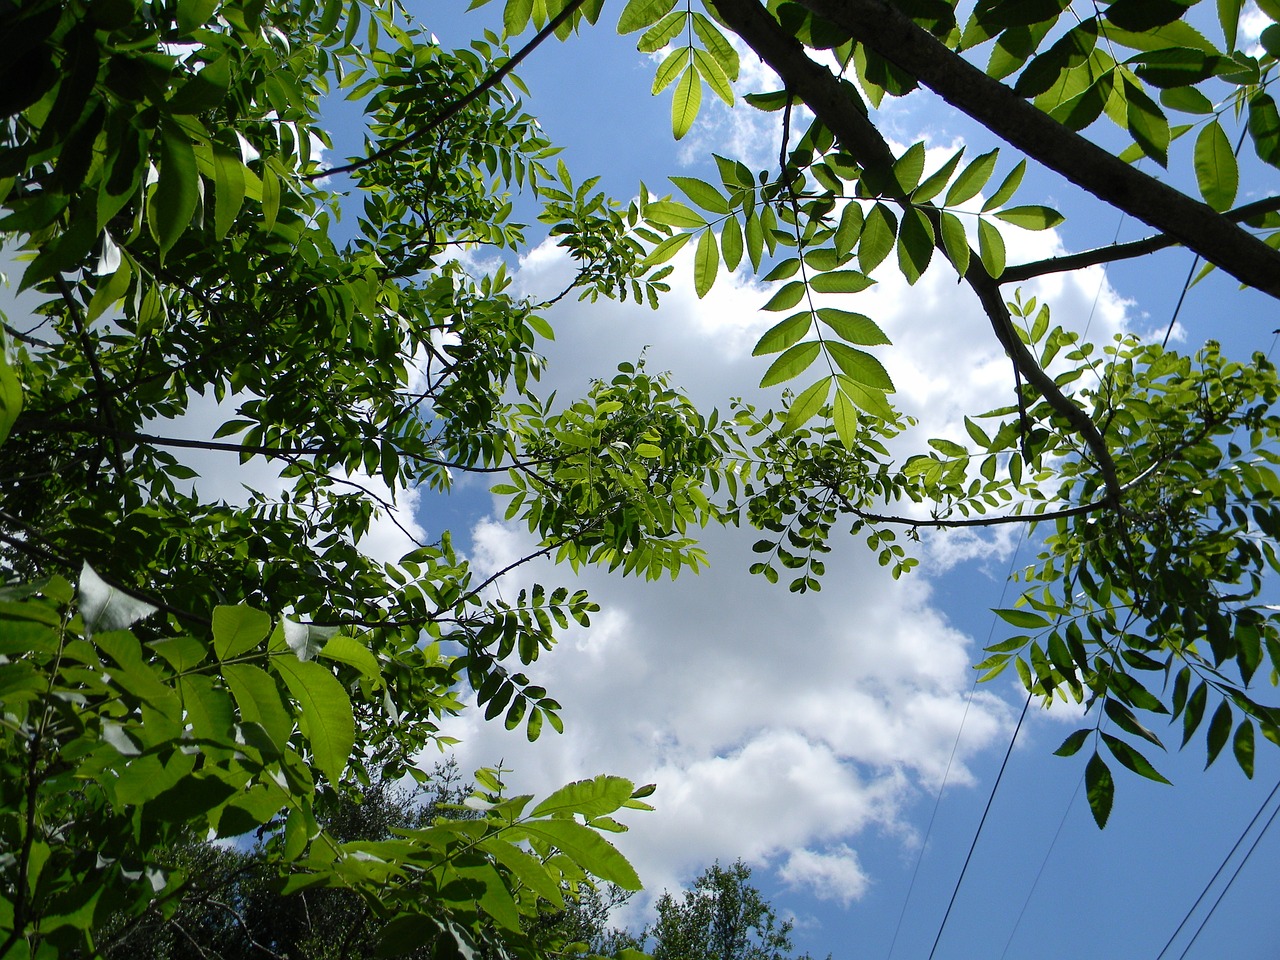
(809, 736)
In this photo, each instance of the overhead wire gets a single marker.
(951, 759)
(1217, 873)
(1195, 262)
(1039, 873)
(978, 833)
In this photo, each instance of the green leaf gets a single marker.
(849, 229)
(10, 395)
(667, 249)
(860, 366)
(326, 718)
(1007, 188)
(1194, 712)
(806, 406)
(1031, 217)
(956, 242)
(1187, 100)
(1219, 731)
(711, 72)
(672, 213)
(840, 281)
(193, 14)
(1023, 619)
(703, 194)
(909, 167)
(754, 232)
(1143, 15)
(879, 232)
(685, 103)
(934, 183)
(661, 33)
(1147, 123)
(229, 191)
(1071, 746)
(915, 244)
(1126, 720)
(1229, 18)
(852, 327)
(586, 848)
(111, 291)
(720, 48)
(866, 398)
(593, 798)
(845, 416)
(173, 203)
(792, 363)
(259, 700)
(731, 243)
(706, 263)
(638, 14)
(1101, 789)
(972, 179)
(270, 198)
(669, 69)
(991, 249)
(1264, 128)
(349, 650)
(237, 630)
(1132, 759)
(786, 298)
(208, 708)
(1215, 165)
(783, 334)
(1242, 746)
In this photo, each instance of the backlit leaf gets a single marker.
(792, 363)
(685, 103)
(1215, 164)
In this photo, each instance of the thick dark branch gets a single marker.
(1122, 251)
(936, 522)
(883, 28)
(291, 452)
(837, 105)
(988, 291)
(99, 379)
(26, 337)
(836, 102)
(452, 109)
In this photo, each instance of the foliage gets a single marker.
(176, 661)
(721, 917)
(1155, 470)
(234, 907)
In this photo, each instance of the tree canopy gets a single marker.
(175, 663)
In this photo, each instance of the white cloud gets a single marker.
(778, 728)
(837, 875)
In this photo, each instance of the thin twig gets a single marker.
(452, 109)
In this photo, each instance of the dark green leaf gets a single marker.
(1101, 789)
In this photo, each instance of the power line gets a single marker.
(1248, 854)
(1187, 283)
(1222, 866)
(951, 759)
(1043, 863)
(991, 799)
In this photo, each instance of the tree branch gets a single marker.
(452, 109)
(882, 27)
(1122, 251)
(837, 104)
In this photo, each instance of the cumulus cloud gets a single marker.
(837, 875)
(778, 728)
